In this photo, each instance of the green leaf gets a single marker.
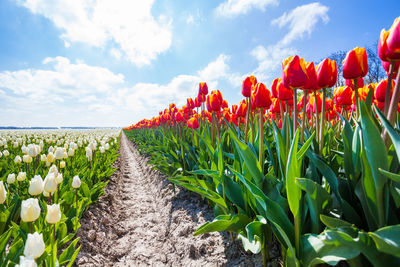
(395, 177)
(293, 167)
(333, 222)
(224, 223)
(249, 159)
(391, 131)
(387, 239)
(234, 193)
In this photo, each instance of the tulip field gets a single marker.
(48, 180)
(305, 165)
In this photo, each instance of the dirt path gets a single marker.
(140, 222)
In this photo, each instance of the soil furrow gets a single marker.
(141, 222)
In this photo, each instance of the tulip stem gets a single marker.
(356, 96)
(393, 106)
(316, 114)
(261, 141)
(287, 127)
(281, 107)
(247, 119)
(303, 124)
(31, 227)
(388, 88)
(322, 130)
(294, 111)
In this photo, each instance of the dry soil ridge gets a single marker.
(141, 222)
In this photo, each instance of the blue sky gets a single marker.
(114, 62)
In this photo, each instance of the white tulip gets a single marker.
(17, 160)
(43, 157)
(53, 213)
(50, 183)
(6, 153)
(3, 193)
(59, 154)
(21, 176)
(30, 210)
(11, 178)
(76, 182)
(34, 246)
(26, 262)
(59, 178)
(27, 159)
(35, 185)
(50, 157)
(62, 164)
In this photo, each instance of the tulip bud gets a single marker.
(62, 164)
(3, 193)
(203, 88)
(53, 215)
(59, 178)
(11, 178)
(45, 193)
(71, 152)
(43, 157)
(76, 182)
(355, 65)
(50, 183)
(247, 85)
(30, 210)
(261, 96)
(327, 73)
(34, 246)
(27, 159)
(17, 160)
(53, 169)
(294, 72)
(35, 185)
(6, 153)
(26, 262)
(50, 157)
(59, 154)
(21, 176)
(393, 40)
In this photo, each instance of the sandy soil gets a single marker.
(141, 222)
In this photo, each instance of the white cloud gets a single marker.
(301, 20)
(128, 23)
(65, 93)
(232, 8)
(190, 19)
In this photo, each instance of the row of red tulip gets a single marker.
(298, 74)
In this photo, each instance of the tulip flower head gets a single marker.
(355, 65)
(3, 193)
(53, 215)
(50, 183)
(34, 246)
(76, 182)
(21, 176)
(26, 262)
(247, 85)
(35, 186)
(30, 210)
(11, 178)
(203, 88)
(294, 72)
(261, 96)
(327, 73)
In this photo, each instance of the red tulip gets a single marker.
(393, 40)
(294, 72)
(386, 66)
(343, 95)
(383, 51)
(350, 83)
(193, 123)
(203, 88)
(190, 103)
(355, 65)
(261, 96)
(380, 91)
(247, 85)
(284, 94)
(274, 89)
(327, 73)
(213, 102)
(242, 109)
(312, 82)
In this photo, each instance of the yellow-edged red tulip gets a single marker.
(247, 85)
(294, 72)
(343, 95)
(203, 88)
(380, 90)
(327, 73)
(312, 81)
(393, 40)
(355, 65)
(193, 123)
(261, 96)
